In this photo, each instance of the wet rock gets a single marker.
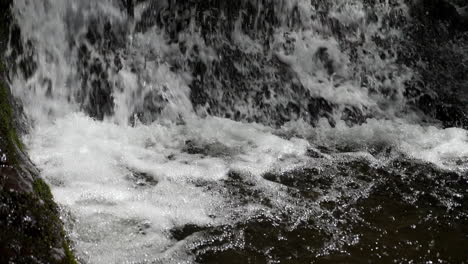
(447, 11)
(262, 240)
(142, 179)
(320, 108)
(129, 6)
(352, 116)
(21, 59)
(440, 9)
(214, 149)
(151, 15)
(192, 148)
(315, 153)
(180, 233)
(308, 181)
(360, 213)
(452, 115)
(235, 84)
(451, 112)
(434, 50)
(323, 56)
(143, 227)
(463, 20)
(106, 38)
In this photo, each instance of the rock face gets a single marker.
(30, 228)
(245, 81)
(436, 49)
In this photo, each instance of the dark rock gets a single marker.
(308, 181)
(320, 108)
(97, 94)
(450, 112)
(435, 51)
(323, 56)
(264, 240)
(185, 231)
(130, 7)
(192, 148)
(447, 11)
(377, 212)
(238, 85)
(142, 179)
(315, 153)
(440, 9)
(213, 149)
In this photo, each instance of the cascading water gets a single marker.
(252, 131)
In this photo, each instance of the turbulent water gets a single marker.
(248, 132)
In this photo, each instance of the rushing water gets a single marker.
(266, 132)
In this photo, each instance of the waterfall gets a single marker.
(169, 130)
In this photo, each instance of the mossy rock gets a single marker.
(31, 229)
(9, 139)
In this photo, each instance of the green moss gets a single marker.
(69, 257)
(43, 192)
(31, 227)
(9, 139)
(8, 133)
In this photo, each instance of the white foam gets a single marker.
(89, 164)
(445, 148)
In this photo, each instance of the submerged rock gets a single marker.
(353, 212)
(142, 179)
(180, 233)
